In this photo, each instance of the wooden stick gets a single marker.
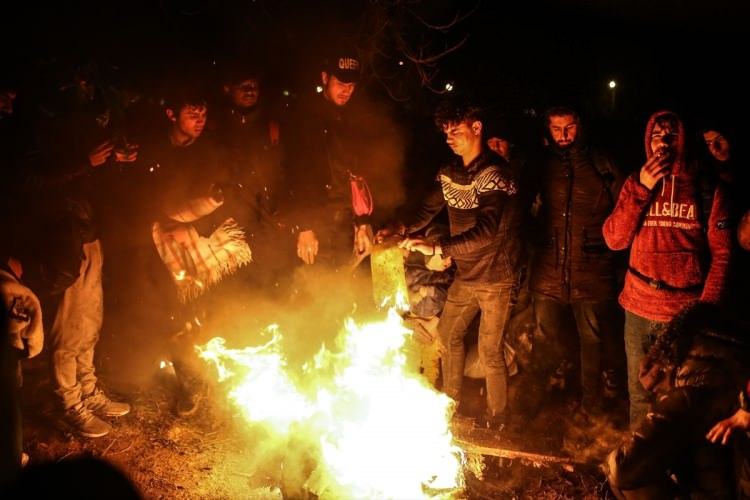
(506, 453)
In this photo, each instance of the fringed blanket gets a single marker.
(196, 262)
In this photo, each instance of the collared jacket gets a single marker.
(484, 217)
(683, 258)
(570, 260)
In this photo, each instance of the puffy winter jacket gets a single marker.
(571, 260)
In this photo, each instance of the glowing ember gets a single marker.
(368, 424)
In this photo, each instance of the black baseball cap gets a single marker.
(345, 66)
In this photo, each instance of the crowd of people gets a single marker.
(162, 201)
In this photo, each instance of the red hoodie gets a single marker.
(668, 243)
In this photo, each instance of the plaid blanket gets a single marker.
(197, 262)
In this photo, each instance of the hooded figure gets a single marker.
(675, 257)
(679, 249)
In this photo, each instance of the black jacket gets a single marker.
(672, 438)
(571, 261)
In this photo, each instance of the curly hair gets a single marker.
(698, 320)
(452, 112)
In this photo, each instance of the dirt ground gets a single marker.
(211, 455)
(205, 456)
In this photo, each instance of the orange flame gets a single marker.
(373, 426)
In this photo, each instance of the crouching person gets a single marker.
(696, 366)
(21, 322)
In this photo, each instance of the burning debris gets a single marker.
(355, 421)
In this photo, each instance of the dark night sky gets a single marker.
(663, 53)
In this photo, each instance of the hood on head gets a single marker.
(678, 146)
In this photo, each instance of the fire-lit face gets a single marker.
(337, 91)
(717, 144)
(245, 94)
(563, 130)
(189, 123)
(663, 137)
(463, 138)
(499, 146)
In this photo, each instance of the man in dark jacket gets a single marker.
(572, 270)
(248, 132)
(325, 155)
(677, 254)
(703, 365)
(479, 191)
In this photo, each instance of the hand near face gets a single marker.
(656, 168)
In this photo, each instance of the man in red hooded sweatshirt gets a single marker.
(677, 255)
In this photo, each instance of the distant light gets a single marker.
(319, 89)
(401, 63)
(612, 84)
(449, 86)
(286, 93)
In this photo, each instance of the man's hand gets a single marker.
(363, 239)
(653, 376)
(307, 246)
(99, 155)
(723, 429)
(656, 168)
(128, 154)
(418, 244)
(438, 263)
(389, 232)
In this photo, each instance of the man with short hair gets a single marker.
(249, 133)
(326, 157)
(189, 240)
(479, 190)
(572, 272)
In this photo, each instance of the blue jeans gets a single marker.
(640, 333)
(495, 302)
(597, 327)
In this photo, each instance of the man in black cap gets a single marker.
(332, 221)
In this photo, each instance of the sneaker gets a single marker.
(99, 403)
(84, 423)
